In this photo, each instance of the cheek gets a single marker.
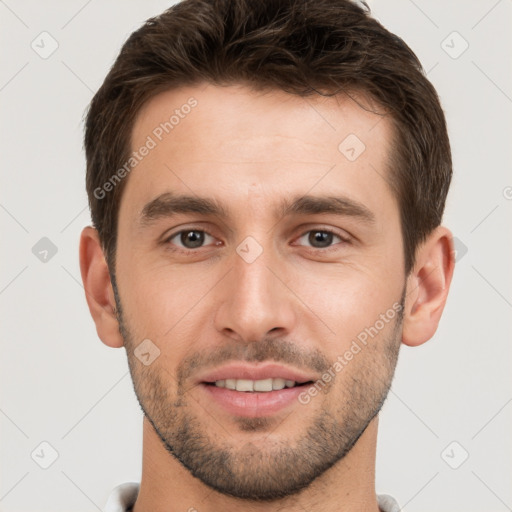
(345, 302)
(160, 301)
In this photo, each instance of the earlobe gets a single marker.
(98, 288)
(427, 287)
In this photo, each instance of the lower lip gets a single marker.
(254, 404)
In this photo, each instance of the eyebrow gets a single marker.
(311, 205)
(169, 204)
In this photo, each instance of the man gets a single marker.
(267, 182)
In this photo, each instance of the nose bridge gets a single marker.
(255, 301)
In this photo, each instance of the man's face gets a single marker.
(300, 264)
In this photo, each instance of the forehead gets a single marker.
(236, 143)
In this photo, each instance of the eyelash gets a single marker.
(344, 240)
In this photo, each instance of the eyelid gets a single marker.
(343, 235)
(345, 239)
(170, 233)
(167, 237)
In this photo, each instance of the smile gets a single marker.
(264, 385)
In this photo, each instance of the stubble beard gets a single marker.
(270, 468)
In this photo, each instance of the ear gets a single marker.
(98, 288)
(427, 287)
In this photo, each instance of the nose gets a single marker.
(255, 301)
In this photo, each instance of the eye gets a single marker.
(190, 238)
(321, 238)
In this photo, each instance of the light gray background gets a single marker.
(61, 385)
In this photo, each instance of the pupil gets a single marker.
(320, 238)
(192, 239)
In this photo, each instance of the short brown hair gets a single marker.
(302, 47)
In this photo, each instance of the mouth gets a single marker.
(254, 391)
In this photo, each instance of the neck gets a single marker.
(349, 486)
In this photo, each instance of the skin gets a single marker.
(297, 303)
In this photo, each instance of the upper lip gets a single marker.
(251, 372)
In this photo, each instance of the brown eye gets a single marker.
(320, 238)
(190, 238)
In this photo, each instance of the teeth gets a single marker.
(264, 385)
(278, 384)
(244, 385)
